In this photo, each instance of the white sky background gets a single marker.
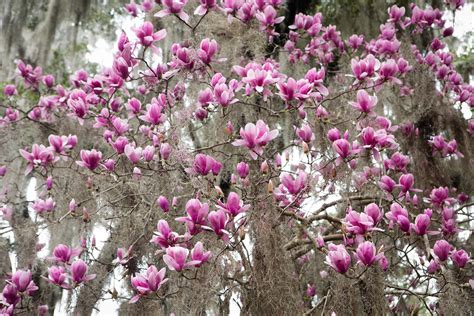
(101, 53)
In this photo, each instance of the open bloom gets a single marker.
(293, 185)
(255, 137)
(63, 253)
(90, 159)
(358, 223)
(23, 281)
(39, 156)
(197, 213)
(234, 205)
(148, 283)
(422, 222)
(146, 35)
(218, 220)
(173, 7)
(205, 164)
(198, 255)
(338, 258)
(57, 276)
(175, 259)
(164, 236)
(365, 103)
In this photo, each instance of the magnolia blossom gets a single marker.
(366, 254)
(442, 249)
(39, 156)
(148, 283)
(79, 272)
(204, 164)
(234, 205)
(90, 159)
(23, 281)
(146, 35)
(175, 258)
(255, 137)
(338, 258)
(365, 103)
(63, 253)
(164, 236)
(173, 7)
(460, 258)
(197, 212)
(58, 276)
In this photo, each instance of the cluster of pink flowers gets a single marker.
(139, 133)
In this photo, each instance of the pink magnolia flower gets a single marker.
(366, 253)
(62, 143)
(204, 164)
(293, 185)
(173, 7)
(197, 213)
(90, 159)
(342, 147)
(365, 103)
(198, 255)
(163, 203)
(355, 41)
(58, 276)
(234, 205)
(460, 258)
(23, 281)
(149, 283)
(433, 266)
(372, 210)
(422, 222)
(365, 68)
(310, 290)
(165, 150)
(9, 90)
(79, 272)
(387, 184)
(205, 6)
(255, 137)
(64, 254)
(399, 215)
(358, 223)
(11, 296)
(175, 259)
(242, 169)
(440, 196)
(44, 206)
(338, 258)
(154, 113)
(164, 236)
(207, 49)
(442, 249)
(218, 220)
(39, 156)
(134, 154)
(146, 35)
(123, 256)
(295, 90)
(148, 153)
(224, 94)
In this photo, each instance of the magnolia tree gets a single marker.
(230, 160)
